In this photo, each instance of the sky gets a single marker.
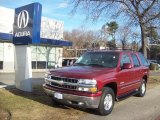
(59, 10)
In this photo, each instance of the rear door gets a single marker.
(137, 71)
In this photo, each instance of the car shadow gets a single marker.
(38, 95)
(1, 83)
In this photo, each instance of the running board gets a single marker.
(122, 97)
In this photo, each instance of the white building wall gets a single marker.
(51, 28)
(8, 58)
(1, 51)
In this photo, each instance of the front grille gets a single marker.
(71, 80)
(64, 86)
(64, 83)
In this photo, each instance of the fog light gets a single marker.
(92, 89)
(80, 103)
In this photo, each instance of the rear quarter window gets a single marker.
(144, 61)
(135, 60)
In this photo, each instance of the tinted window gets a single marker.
(125, 59)
(33, 64)
(41, 64)
(1, 64)
(104, 59)
(143, 60)
(135, 60)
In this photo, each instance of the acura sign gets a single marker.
(23, 19)
(27, 21)
(22, 22)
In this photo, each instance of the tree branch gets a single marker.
(148, 8)
(154, 17)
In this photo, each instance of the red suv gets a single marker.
(97, 79)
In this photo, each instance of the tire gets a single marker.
(142, 89)
(107, 101)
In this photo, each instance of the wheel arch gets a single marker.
(145, 77)
(113, 86)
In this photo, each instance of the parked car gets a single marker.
(97, 79)
(155, 62)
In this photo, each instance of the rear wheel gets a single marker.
(107, 101)
(142, 89)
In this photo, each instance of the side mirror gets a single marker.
(127, 66)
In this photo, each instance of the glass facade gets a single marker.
(43, 57)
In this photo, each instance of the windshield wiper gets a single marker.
(79, 64)
(94, 64)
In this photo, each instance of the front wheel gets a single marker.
(107, 101)
(142, 89)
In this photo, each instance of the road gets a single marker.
(134, 108)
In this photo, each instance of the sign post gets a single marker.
(26, 31)
(23, 68)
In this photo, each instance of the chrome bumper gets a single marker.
(75, 100)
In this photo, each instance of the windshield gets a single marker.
(103, 59)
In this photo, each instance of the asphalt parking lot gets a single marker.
(134, 108)
(9, 78)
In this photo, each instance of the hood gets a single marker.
(84, 72)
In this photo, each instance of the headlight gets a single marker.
(87, 85)
(87, 81)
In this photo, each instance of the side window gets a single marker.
(143, 60)
(125, 59)
(135, 60)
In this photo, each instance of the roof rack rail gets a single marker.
(111, 49)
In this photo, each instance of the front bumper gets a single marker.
(75, 100)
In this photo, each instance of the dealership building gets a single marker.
(43, 56)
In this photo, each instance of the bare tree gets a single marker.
(82, 39)
(124, 34)
(140, 12)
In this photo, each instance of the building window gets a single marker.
(1, 56)
(50, 64)
(34, 66)
(1, 65)
(41, 64)
(43, 57)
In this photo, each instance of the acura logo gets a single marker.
(23, 19)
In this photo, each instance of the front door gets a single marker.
(125, 76)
